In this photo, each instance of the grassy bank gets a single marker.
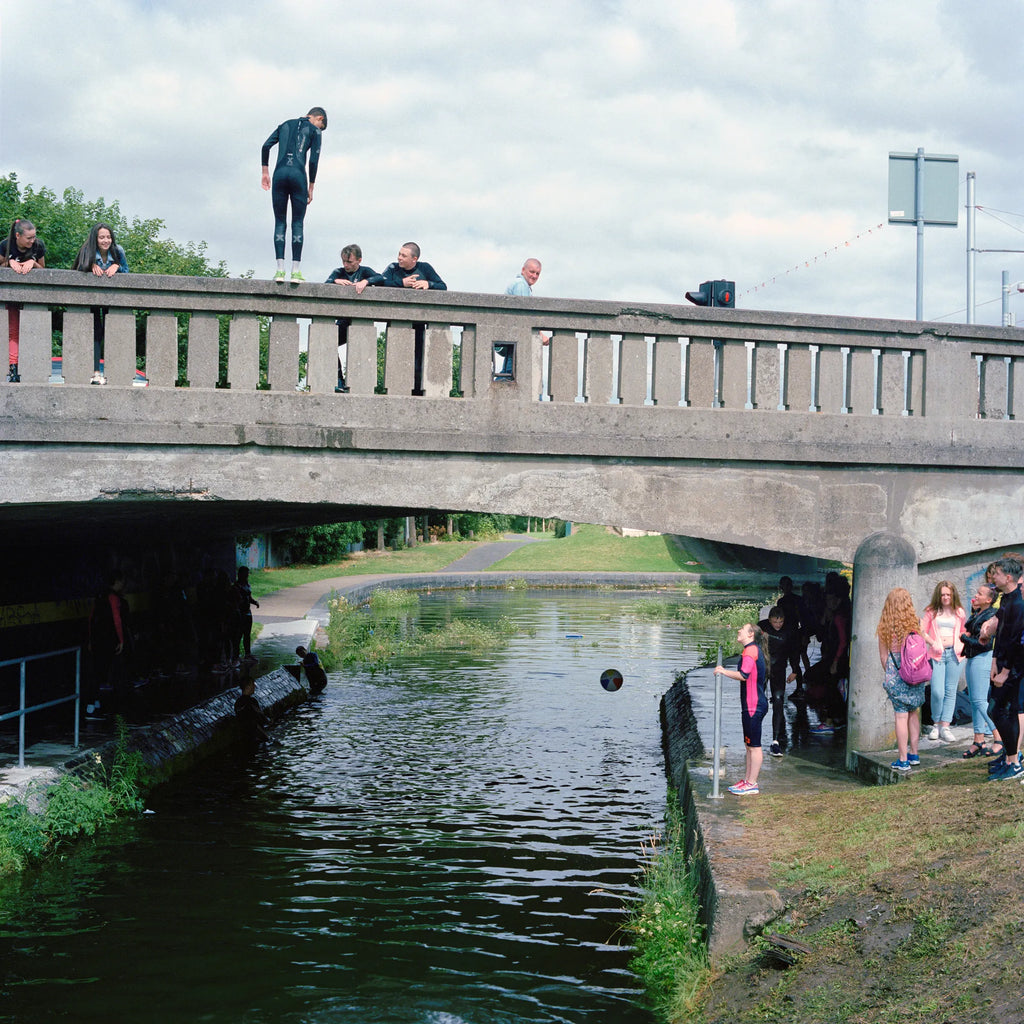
(596, 549)
(589, 549)
(76, 805)
(908, 897)
(422, 558)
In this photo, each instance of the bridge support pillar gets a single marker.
(882, 561)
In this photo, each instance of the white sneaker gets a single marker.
(947, 734)
(934, 734)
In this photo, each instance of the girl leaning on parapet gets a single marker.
(897, 621)
(22, 252)
(102, 256)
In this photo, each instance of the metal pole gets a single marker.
(970, 248)
(21, 721)
(1006, 298)
(78, 692)
(919, 217)
(716, 765)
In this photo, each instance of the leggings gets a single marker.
(13, 332)
(289, 184)
(1004, 714)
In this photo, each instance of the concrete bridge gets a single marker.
(803, 434)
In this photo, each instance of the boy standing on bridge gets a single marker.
(294, 140)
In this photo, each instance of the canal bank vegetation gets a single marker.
(77, 804)
(383, 631)
(671, 948)
(902, 907)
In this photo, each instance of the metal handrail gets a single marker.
(23, 711)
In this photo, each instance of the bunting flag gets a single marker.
(810, 261)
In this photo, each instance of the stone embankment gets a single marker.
(170, 744)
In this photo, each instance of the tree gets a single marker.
(64, 224)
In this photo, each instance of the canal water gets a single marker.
(455, 839)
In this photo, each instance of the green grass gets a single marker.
(596, 549)
(76, 805)
(422, 558)
(671, 952)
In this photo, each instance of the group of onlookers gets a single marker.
(22, 251)
(986, 644)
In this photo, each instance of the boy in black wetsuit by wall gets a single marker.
(294, 140)
(782, 642)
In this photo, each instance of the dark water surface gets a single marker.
(455, 840)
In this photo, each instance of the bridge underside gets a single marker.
(816, 510)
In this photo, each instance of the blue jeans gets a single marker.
(945, 676)
(978, 669)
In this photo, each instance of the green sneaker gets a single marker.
(297, 277)
(279, 277)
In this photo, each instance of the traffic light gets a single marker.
(714, 293)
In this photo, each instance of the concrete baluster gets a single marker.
(244, 352)
(565, 362)
(633, 369)
(733, 374)
(437, 361)
(203, 350)
(862, 381)
(119, 347)
(76, 348)
(666, 379)
(361, 375)
(702, 381)
(597, 368)
(321, 359)
(162, 350)
(399, 358)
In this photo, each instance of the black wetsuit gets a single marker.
(294, 139)
(1008, 654)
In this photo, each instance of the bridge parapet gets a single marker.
(438, 344)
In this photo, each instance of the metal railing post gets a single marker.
(717, 756)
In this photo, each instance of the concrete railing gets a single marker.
(600, 353)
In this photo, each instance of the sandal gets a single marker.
(994, 752)
(975, 750)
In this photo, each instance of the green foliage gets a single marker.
(671, 952)
(385, 631)
(76, 805)
(22, 837)
(64, 224)
(319, 545)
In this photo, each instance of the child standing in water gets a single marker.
(752, 675)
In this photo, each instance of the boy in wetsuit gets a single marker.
(315, 675)
(250, 715)
(782, 642)
(294, 140)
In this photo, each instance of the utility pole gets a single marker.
(971, 251)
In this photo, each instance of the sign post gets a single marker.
(923, 190)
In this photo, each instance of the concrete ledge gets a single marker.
(735, 899)
(168, 746)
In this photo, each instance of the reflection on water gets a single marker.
(453, 840)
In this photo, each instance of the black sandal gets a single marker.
(976, 750)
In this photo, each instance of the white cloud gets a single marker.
(636, 147)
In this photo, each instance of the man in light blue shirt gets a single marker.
(522, 285)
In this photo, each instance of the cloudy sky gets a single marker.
(636, 147)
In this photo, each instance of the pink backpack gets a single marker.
(915, 663)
